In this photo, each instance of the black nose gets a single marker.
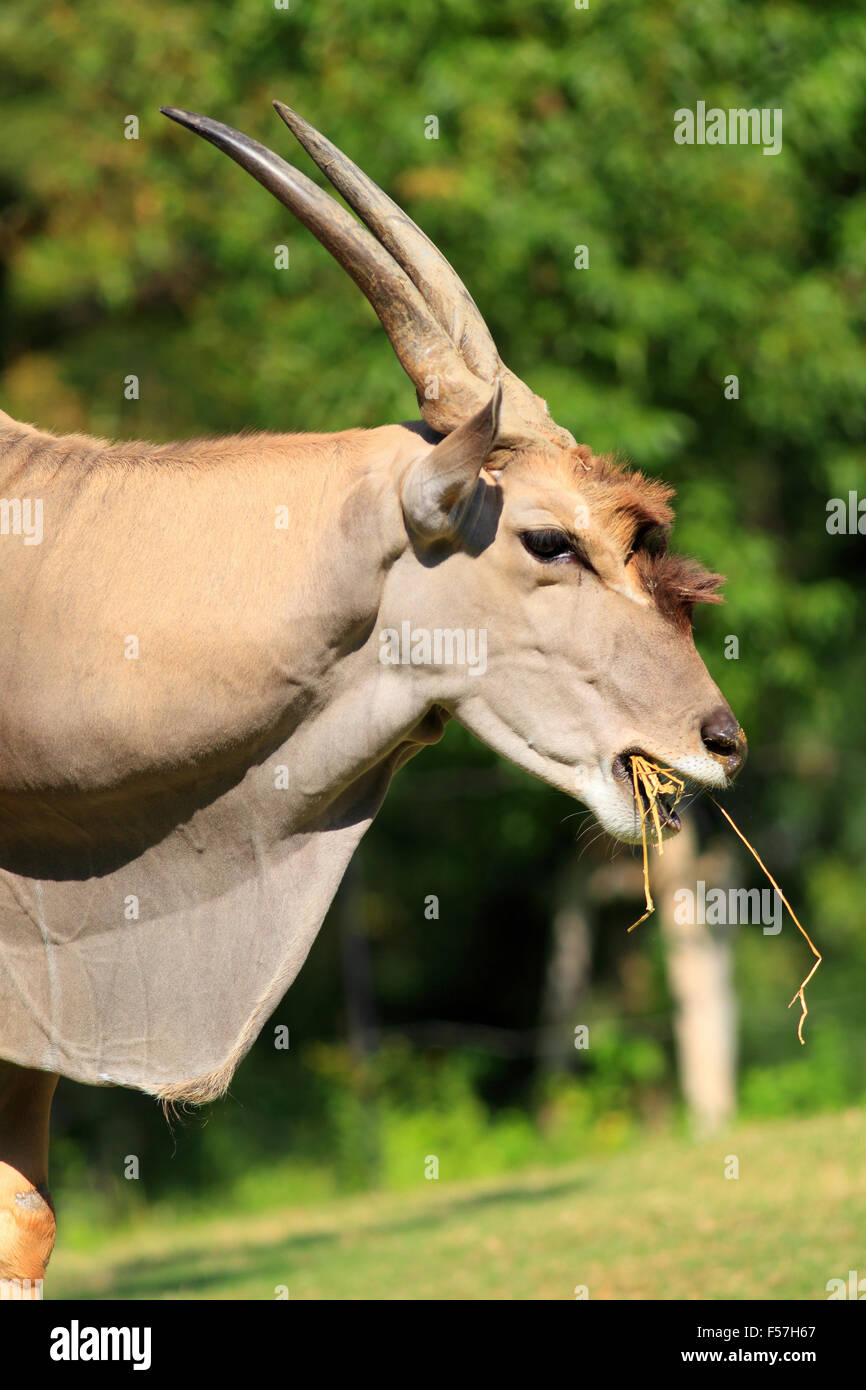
(724, 739)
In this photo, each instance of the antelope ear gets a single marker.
(436, 484)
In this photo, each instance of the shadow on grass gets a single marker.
(182, 1275)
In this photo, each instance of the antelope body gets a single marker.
(199, 719)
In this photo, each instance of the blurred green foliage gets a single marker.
(156, 256)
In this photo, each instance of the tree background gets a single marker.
(155, 256)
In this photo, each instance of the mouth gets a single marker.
(656, 810)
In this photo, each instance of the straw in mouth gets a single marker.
(651, 783)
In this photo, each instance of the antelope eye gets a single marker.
(548, 545)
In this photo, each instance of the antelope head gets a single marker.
(553, 560)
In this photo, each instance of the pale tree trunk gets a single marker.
(699, 969)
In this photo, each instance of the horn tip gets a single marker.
(287, 115)
(177, 113)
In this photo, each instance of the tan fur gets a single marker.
(258, 644)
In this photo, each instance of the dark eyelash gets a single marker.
(549, 545)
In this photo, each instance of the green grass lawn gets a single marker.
(660, 1220)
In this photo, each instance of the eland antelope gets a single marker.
(202, 708)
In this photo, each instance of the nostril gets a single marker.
(720, 732)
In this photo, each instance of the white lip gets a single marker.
(612, 801)
(703, 769)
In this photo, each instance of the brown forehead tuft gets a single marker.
(614, 488)
(627, 502)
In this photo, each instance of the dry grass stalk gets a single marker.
(655, 781)
(650, 782)
(801, 992)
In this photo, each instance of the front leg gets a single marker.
(26, 1211)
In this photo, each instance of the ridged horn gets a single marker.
(438, 282)
(433, 324)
